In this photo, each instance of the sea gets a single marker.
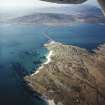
(22, 52)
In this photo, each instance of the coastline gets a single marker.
(48, 57)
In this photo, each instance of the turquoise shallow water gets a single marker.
(21, 51)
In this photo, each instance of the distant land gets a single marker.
(89, 14)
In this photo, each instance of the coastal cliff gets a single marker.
(73, 76)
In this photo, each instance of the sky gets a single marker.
(10, 4)
(23, 7)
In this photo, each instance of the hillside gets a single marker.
(73, 77)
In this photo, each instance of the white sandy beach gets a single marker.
(48, 57)
(50, 102)
(47, 62)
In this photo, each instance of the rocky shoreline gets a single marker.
(73, 76)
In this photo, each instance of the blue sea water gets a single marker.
(21, 51)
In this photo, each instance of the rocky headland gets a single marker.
(73, 76)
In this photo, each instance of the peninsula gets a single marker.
(71, 76)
